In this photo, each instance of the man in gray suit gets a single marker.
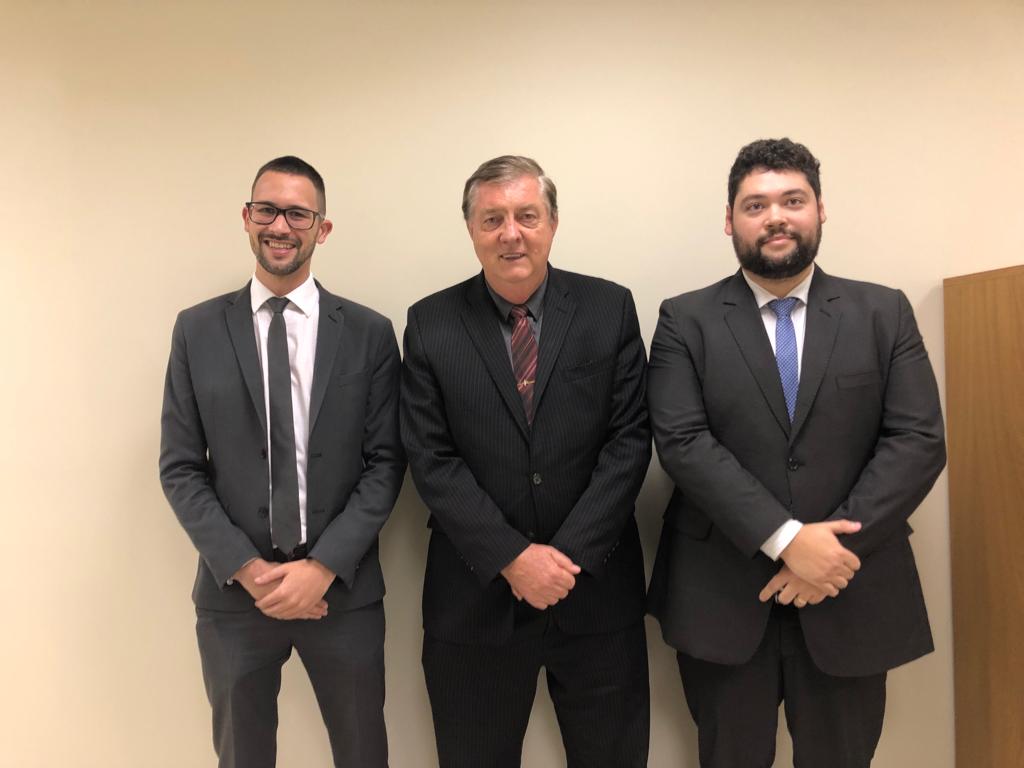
(280, 455)
(798, 416)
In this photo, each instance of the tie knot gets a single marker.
(782, 307)
(277, 304)
(518, 312)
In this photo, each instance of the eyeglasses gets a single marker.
(297, 218)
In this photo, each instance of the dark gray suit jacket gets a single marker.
(866, 444)
(493, 484)
(213, 452)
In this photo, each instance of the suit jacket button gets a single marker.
(262, 511)
(794, 465)
(531, 535)
(536, 478)
(263, 453)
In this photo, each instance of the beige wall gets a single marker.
(131, 132)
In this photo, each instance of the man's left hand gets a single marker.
(303, 584)
(788, 588)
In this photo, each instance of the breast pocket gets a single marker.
(348, 379)
(862, 379)
(587, 368)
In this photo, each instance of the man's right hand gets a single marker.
(786, 587)
(815, 554)
(541, 575)
(246, 576)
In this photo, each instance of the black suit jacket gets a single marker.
(866, 444)
(493, 484)
(213, 451)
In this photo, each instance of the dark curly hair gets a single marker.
(775, 155)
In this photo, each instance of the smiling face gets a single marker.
(512, 230)
(775, 223)
(282, 252)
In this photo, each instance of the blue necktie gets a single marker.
(785, 351)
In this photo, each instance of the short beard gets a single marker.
(795, 262)
(288, 269)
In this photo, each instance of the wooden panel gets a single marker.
(984, 316)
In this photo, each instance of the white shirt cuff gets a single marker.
(779, 540)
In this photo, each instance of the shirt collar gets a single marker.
(306, 297)
(534, 304)
(762, 297)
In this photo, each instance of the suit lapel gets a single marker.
(559, 308)
(328, 339)
(243, 339)
(744, 321)
(823, 314)
(481, 321)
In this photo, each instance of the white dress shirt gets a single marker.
(301, 316)
(785, 533)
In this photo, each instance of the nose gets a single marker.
(775, 216)
(279, 224)
(510, 230)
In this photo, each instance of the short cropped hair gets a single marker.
(509, 168)
(296, 166)
(775, 155)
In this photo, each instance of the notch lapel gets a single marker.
(823, 314)
(559, 308)
(744, 320)
(481, 321)
(243, 339)
(328, 339)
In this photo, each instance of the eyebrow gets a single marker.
(761, 196)
(527, 207)
(283, 208)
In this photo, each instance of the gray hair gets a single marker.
(509, 168)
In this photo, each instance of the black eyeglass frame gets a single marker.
(282, 212)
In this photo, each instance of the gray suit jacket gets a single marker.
(213, 452)
(866, 444)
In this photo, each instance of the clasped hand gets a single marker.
(292, 590)
(816, 565)
(541, 575)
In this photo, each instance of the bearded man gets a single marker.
(798, 416)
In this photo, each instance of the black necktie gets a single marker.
(524, 357)
(284, 479)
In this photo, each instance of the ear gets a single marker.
(728, 220)
(245, 218)
(821, 211)
(554, 224)
(325, 229)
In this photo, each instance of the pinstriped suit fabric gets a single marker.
(494, 484)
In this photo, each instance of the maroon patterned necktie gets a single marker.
(524, 357)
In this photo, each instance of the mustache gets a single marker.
(784, 232)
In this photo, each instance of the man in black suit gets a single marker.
(281, 456)
(523, 416)
(798, 416)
